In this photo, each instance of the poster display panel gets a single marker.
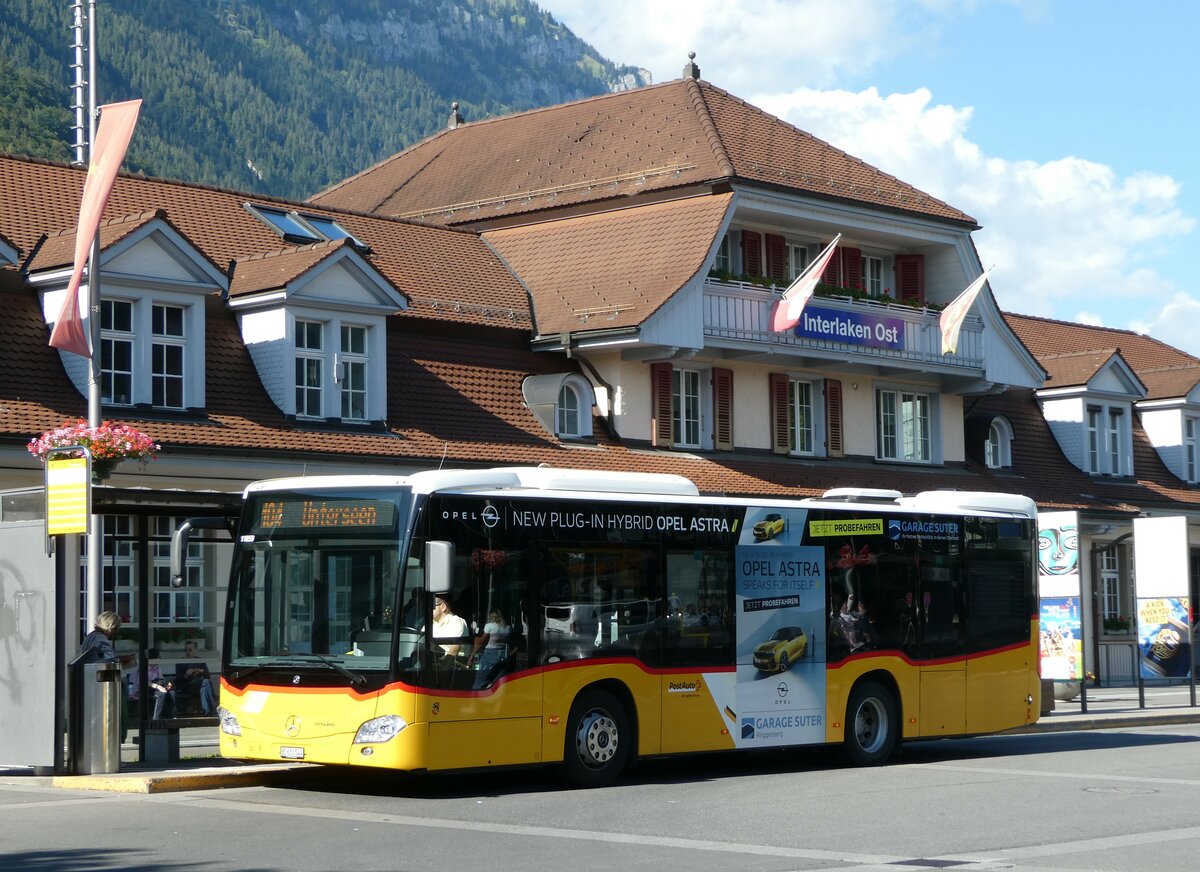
(1061, 641)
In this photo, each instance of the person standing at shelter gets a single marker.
(98, 645)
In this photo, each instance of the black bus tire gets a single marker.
(598, 741)
(872, 724)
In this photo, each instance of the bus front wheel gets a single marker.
(598, 740)
(872, 724)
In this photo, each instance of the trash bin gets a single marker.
(98, 718)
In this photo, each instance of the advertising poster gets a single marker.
(780, 632)
(1061, 639)
(1164, 637)
(1058, 588)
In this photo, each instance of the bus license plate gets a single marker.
(291, 753)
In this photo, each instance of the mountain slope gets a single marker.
(287, 97)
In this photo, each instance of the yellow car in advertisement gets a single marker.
(769, 527)
(784, 647)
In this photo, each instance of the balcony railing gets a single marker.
(738, 314)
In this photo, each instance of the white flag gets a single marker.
(786, 313)
(952, 316)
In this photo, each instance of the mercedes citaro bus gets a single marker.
(590, 618)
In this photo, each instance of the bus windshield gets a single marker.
(316, 578)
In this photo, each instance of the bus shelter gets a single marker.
(43, 605)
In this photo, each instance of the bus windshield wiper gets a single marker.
(356, 679)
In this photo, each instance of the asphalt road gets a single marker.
(1120, 799)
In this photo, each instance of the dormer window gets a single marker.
(998, 449)
(1109, 441)
(167, 355)
(568, 411)
(116, 352)
(310, 366)
(1189, 447)
(301, 228)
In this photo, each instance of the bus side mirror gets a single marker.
(439, 566)
(180, 538)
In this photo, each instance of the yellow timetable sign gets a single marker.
(66, 496)
(847, 527)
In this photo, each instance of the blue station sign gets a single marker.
(853, 328)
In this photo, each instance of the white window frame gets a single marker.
(900, 443)
(110, 339)
(872, 275)
(798, 259)
(1110, 583)
(306, 356)
(723, 262)
(1189, 447)
(566, 411)
(352, 369)
(164, 341)
(687, 407)
(815, 429)
(998, 447)
(1108, 441)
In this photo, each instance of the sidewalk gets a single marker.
(201, 769)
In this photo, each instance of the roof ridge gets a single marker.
(294, 249)
(471, 125)
(1056, 355)
(709, 126)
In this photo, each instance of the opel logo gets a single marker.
(292, 727)
(782, 689)
(490, 516)
(295, 679)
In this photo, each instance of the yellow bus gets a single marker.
(482, 618)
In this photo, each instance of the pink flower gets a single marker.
(107, 442)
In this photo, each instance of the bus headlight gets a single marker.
(229, 722)
(381, 729)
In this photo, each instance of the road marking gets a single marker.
(1041, 773)
(840, 857)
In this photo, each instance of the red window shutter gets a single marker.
(660, 402)
(910, 278)
(722, 381)
(779, 413)
(833, 270)
(751, 253)
(834, 446)
(777, 265)
(851, 267)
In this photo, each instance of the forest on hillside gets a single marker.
(285, 98)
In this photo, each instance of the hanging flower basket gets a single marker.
(109, 444)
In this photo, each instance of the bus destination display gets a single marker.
(312, 513)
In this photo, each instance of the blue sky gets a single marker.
(1068, 129)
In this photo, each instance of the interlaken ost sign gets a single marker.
(852, 328)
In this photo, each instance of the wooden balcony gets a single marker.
(737, 316)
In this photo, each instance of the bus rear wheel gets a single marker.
(598, 740)
(872, 724)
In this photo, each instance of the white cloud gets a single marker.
(739, 43)
(1175, 324)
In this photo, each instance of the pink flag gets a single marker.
(953, 315)
(112, 139)
(786, 313)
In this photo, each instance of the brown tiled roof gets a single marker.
(274, 269)
(677, 134)
(58, 249)
(448, 275)
(1075, 368)
(1046, 338)
(611, 269)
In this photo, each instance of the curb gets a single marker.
(194, 779)
(1107, 722)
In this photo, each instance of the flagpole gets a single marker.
(95, 590)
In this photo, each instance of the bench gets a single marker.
(160, 742)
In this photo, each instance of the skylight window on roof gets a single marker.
(303, 229)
